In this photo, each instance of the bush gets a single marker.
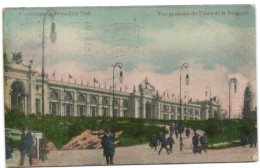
(212, 129)
(74, 130)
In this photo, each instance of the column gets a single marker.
(75, 103)
(88, 105)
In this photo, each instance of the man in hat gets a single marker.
(108, 146)
(27, 145)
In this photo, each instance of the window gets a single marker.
(38, 106)
(125, 104)
(173, 109)
(93, 111)
(54, 94)
(81, 109)
(105, 112)
(116, 103)
(93, 100)
(68, 96)
(191, 112)
(105, 101)
(179, 110)
(81, 98)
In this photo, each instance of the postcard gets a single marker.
(129, 85)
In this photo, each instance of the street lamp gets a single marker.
(233, 80)
(164, 107)
(53, 38)
(53, 35)
(208, 89)
(187, 96)
(120, 66)
(184, 66)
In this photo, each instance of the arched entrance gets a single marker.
(148, 109)
(18, 96)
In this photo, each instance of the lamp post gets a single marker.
(233, 80)
(184, 66)
(52, 13)
(187, 96)
(208, 88)
(164, 107)
(53, 38)
(120, 66)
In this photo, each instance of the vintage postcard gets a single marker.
(133, 85)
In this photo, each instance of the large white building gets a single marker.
(23, 91)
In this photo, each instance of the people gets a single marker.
(244, 140)
(163, 144)
(195, 142)
(187, 131)
(181, 144)
(8, 148)
(203, 142)
(108, 146)
(27, 145)
(171, 129)
(176, 132)
(170, 142)
(160, 138)
(154, 142)
(253, 139)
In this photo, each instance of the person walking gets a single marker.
(170, 142)
(176, 132)
(187, 131)
(163, 144)
(108, 147)
(8, 148)
(27, 146)
(171, 129)
(160, 138)
(244, 140)
(203, 142)
(181, 144)
(195, 142)
(253, 139)
(154, 142)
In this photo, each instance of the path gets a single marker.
(143, 154)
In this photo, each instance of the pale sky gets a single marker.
(218, 43)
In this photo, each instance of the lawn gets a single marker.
(60, 130)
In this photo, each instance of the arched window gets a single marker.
(18, 96)
(105, 101)
(116, 103)
(54, 94)
(125, 104)
(81, 98)
(93, 99)
(68, 96)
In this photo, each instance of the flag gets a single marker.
(53, 73)
(95, 81)
(70, 76)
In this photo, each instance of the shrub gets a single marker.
(212, 129)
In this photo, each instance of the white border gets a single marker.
(75, 3)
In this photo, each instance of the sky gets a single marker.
(218, 43)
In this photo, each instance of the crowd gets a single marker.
(178, 130)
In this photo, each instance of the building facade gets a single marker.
(23, 91)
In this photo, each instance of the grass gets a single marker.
(60, 130)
